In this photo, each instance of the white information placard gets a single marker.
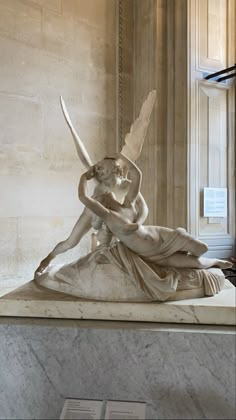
(215, 202)
(81, 410)
(75, 409)
(123, 410)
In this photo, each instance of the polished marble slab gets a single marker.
(180, 375)
(30, 300)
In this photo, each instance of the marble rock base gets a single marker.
(31, 300)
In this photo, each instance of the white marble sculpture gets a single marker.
(129, 261)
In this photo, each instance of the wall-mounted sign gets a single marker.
(215, 202)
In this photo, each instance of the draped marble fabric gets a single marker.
(115, 273)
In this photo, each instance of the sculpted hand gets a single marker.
(114, 156)
(91, 173)
(43, 265)
(130, 228)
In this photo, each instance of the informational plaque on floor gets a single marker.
(123, 410)
(97, 410)
(82, 409)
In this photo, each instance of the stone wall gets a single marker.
(160, 62)
(126, 67)
(50, 48)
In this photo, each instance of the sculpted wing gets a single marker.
(82, 152)
(135, 138)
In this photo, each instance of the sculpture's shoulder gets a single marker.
(121, 189)
(99, 189)
(125, 184)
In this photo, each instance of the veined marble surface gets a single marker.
(31, 301)
(180, 375)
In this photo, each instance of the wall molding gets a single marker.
(220, 236)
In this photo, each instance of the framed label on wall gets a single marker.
(215, 202)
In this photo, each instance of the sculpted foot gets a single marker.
(43, 265)
(223, 264)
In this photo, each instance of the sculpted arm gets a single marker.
(135, 176)
(89, 202)
(142, 209)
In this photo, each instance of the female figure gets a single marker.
(145, 263)
(155, 244)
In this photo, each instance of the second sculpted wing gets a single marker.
(82, 152)
(135, 138)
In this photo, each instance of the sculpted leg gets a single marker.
(193, 245)
(81, 227)
(181, 260)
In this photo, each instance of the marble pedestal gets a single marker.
(30, 300)
(172, 358)
(182, 373)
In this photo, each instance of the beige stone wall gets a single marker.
(145, 79)
(160, 62)
(126, 70)
(50, 48)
